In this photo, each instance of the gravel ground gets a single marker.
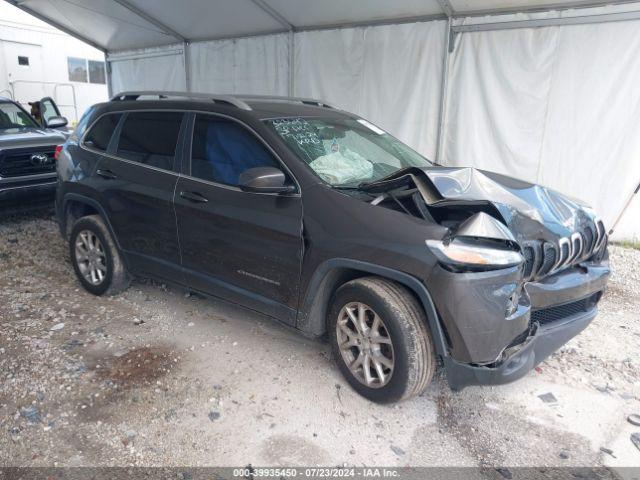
(159, 377)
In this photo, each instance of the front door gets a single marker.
(48, 109)
(137, 179)
(244, 247)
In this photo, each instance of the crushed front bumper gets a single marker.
(488, 346)
(547, 339)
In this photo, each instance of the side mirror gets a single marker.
(264, 180)
(56, 122)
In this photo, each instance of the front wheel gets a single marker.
(380, 340)
(95, 257)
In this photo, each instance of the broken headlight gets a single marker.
(460, 255)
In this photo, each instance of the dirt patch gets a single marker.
(293, 450)
(501, 437)
(138, 367)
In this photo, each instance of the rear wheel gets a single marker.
(95, 257)
(380, 340)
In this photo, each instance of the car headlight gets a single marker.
(463, 255)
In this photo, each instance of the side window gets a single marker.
(150, 138)
(101, 132)
(48, 109)
(223, 149)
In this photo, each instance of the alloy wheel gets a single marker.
(365, 344)
(91, 257)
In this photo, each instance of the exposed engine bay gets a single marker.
(551, 231)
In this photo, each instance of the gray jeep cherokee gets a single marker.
(27, 154)
(318, 218)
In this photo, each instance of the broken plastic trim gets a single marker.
(514, 347)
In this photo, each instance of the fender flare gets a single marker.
(311, 322)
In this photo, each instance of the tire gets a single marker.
(90, 241)
(403, 338)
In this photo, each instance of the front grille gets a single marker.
(529, 259)
(564, 252)
(19, 162)
(541, 257)
(559, 312)
(577, 244)
(588, 239)
(549, 258)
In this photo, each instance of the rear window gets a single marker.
(101, 132)
(150, 138)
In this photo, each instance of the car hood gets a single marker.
(31, 137)
(530, 211)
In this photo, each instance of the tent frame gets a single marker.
(452, 31)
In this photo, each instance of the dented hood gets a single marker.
(529, 210)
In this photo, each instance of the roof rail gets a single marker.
(276, 98)
(239, 101)
(228, 99)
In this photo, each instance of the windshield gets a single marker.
(346, 152)
(13, 118)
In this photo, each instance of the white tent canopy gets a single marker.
(113, 25)
(539, 90)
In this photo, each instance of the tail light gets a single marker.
(57, 152)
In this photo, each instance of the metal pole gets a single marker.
(186, 58)
(549, 22)
(444, 88)
(292, 63)
(152, 20)
(624, 209)
(109, 80)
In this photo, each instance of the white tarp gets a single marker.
(257, 65)
(148, 69)
(389, 74)
(556, 105)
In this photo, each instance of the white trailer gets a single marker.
(37, 60)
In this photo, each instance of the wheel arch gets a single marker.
(331, 274)
(78, 206)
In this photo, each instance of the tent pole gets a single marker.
(444, 87)
(624, 209)
(549, 22)
(278, 17)
(186, 57)
(107, 65)
(292, 58)
(152, 20)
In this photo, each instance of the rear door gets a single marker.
(137, 177)
(245, 247)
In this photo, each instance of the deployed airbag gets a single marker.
(342, 167)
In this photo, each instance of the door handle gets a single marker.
(193, 197)
(108, 174)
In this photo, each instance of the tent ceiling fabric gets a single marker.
(114, 25)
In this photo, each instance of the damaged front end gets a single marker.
(552, 231)
(520, 269)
